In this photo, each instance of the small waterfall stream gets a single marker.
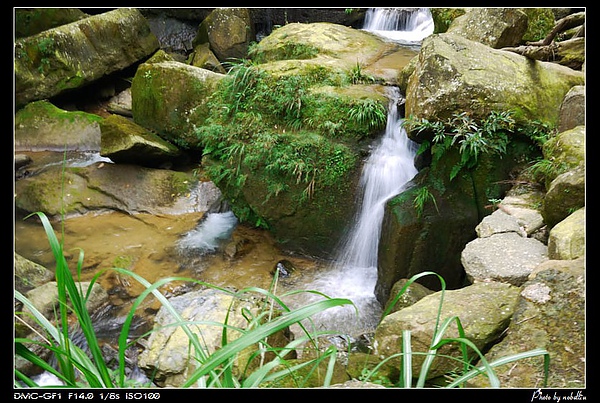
(402, 25)
(354, 273)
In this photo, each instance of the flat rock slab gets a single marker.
(505, 257)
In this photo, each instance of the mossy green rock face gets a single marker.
(287, 153)
(173, 111)
(31, 21)
(41, 126)
(128, 188)
(69, 56)
(454, 74)
(124, 141)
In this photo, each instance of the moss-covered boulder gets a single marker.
(564, 152)
(496, 27)
(229, 31)
(101, 186)
(565, 195)
(72, 55)
(41, 126)
(31, 21)
(124, 141)
(454, 74)
(567, 238)
(439, 212)
(564, 158)
(170, 98)
(288, 132)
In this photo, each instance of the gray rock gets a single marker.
(550, 314)
(484, 310)
(497, 223)
(506, 257)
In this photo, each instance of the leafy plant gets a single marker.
(472, 137)
(357, 76)
(368, 112)
(423, 196)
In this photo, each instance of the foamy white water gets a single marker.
(406, 26)
(354, 273)
(209, 234)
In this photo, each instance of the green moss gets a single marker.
(286, 133)
(42, 110)
(443, 17)
(540, 22)
(287, 51)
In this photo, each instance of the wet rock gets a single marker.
(550, 314)
(284, 268)
(123, 141)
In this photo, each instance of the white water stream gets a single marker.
(405, 26)
(354, 273)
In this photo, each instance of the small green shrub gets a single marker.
(473, 138)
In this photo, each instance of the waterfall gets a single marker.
(388, 168)
(354, 274)
(404, 25)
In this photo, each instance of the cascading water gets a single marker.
(388, 168)
(408, 26)
(354, 273)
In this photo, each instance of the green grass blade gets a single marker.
(505, 360)
(254, 336)
(66, 286)
(494, 381)
(408, 283)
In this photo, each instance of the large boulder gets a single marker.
(124, 141)
(454, 74)
(447, 220)
(31, 21)
(484, 311)
(567, 238)
(297, 169)
(505, 257)
(565, 195)
(495, 27)
(41, 126)
(72, 55)
(572, 109)
(549, 314)
(78, 190)
(172, 111)
(170, 357)
(229, 31)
